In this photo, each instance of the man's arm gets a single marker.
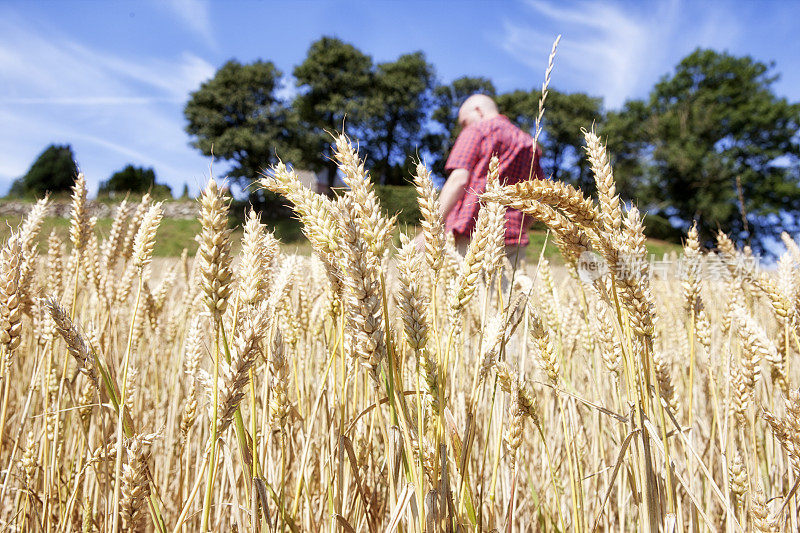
(463, 156)
(454, 189)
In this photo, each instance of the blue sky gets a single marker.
(111, 78)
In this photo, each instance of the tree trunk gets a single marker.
(330, 162)
(556, 171)
(330, 169)
(389, 143)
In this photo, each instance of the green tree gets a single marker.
(396, 110)
(521, 107)
(563, 144)
(335, 80)
(561, 139)
(54, 170)
(447, 99)
(136, 180)
(716, 119)
(237, 116)
(626, 133)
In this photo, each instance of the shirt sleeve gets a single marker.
(466, 151)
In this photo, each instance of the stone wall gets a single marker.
(172, 209)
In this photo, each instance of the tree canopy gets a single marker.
(334, 82)
(237, 116)
(713, 139)
(54, 170)
(562, 142)
(446, 101)
(397, 107)
(710, 133)
(136, 180)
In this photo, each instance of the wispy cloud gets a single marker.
(118, 109)
(33, 65)
(87, 100)
(609, 50)
(196, 16)
(142, 158)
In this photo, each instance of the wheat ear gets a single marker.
(214, 250)
(10, 308)
(431, 221)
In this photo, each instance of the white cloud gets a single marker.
(287, 89)
(35, 66)
(85, 100)
(114, 110)
(609, 50)
(194, 15)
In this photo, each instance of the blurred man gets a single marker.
(485, 132)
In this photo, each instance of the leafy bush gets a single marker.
(53, 171)
(400, 200)
(136, 180)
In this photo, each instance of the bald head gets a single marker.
(476, 108)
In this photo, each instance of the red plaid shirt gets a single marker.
(472, 151)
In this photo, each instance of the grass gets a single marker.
(176, 234)
(173, 234)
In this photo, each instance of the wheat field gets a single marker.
(382, 387)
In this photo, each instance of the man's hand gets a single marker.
(419, 242)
